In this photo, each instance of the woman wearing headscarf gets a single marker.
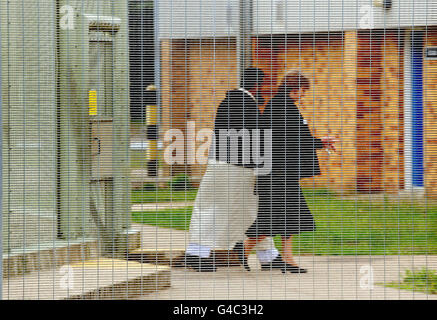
(282, 209)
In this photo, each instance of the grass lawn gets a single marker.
(162, 195)
(424, 280)
(172, 218)
(344, 227)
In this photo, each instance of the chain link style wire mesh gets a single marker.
(116, 114)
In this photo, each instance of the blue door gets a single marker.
(417, 107)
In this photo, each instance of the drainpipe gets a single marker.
(244, 45)
(157, 62)
(1, 176)
(57, 7)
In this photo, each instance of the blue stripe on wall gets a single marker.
(417, 106)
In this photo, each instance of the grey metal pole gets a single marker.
(244, 45)
(1, 175)
(157, 62)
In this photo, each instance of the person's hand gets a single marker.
(329, 143)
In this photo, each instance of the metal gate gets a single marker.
(226, 149)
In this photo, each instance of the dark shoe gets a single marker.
(239, 250)
(199, 264)
(293, 269)
(277, 263)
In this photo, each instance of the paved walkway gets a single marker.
(102, 278)
(161, 206)
(329, 277)
(155, 238)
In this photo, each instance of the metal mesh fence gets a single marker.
(223, 149)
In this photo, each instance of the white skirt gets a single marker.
(225, 207)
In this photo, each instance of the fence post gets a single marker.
(152, 132)
(244, 45)
(1, 174)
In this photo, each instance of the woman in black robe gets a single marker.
(282, 208)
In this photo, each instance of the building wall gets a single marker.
(380, 111)
(392, 110)
(357, 94)
(329, 105)
(29, 122)
(175, 103)
(309, 16)
(197, 73)
(430, 116)
(370, 154)
(194, 19)
(46, 150)
(194, 79)
(213, 71)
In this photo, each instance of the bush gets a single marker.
(180, 182)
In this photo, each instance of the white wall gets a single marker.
(219, 18)
(197, 19)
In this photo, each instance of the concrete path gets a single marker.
(161, 206)
(155, 238)
(329, 277)
(91, 279)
